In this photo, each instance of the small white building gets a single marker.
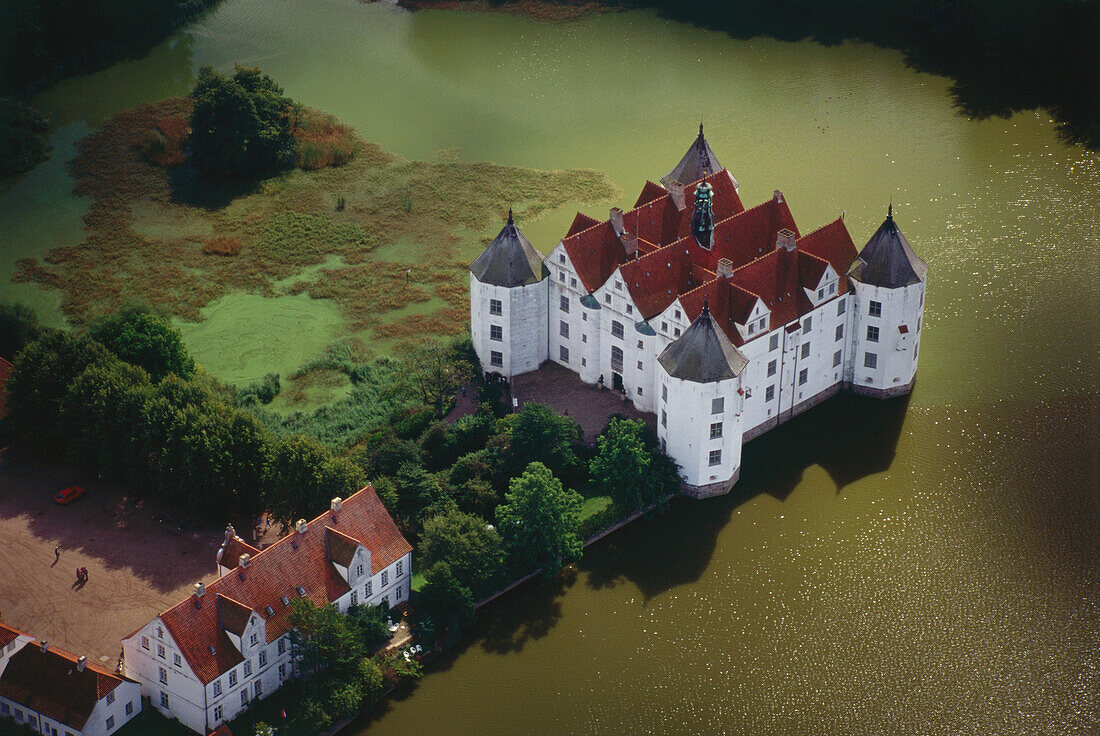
(51, 691)
(206, 658)
(807, 314)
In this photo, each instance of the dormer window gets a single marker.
(301, 591)
(269, 611)
(285, 600)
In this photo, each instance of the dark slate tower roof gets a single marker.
(703, 353)
(510, 260)
(888, 259)
(698, 163)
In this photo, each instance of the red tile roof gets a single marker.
(8, 635)
(5, 374)
(581, 222)
(295, 560)
(222, 730)
(49, 682)
(234, 548)
(832, 243)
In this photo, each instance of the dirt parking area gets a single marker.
(137, 566)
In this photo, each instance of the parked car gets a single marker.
(69, 495)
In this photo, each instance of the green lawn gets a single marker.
(594, 505)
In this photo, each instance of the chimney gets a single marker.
(45, 646)
(81, 663)
(246, 560)
(784, 239)
(230, 532)
(300, 525)
(337, 503)
(617, 220)
(200, 589)
(777, 195)
(676, 192)
(725, 268)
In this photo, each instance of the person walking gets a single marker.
(57, 553)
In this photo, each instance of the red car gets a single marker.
(69, 495)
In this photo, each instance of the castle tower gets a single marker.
(700, 405)
(888, 310)
(702, 217)
(698, 163)
(508, 304)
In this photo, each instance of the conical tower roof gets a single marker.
(703, 353)
(888, 260)
(510, 260)
(698, 163)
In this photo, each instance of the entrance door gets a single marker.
(617, 381)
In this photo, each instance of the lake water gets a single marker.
(921, 566)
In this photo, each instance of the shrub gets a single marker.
(18, 326)
(222, 245)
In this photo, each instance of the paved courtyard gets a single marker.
(137, 566)
(564, 392)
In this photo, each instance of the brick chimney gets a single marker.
(300, 526)
(725, 268)
(337, 504)
(45, 646)
(81, 663)
(676, 190)
(245, 560)
(777, 195)
(617, 220)
(200, 589)
(784, 239)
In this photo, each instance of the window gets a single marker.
(218, 713)
(282, 645)
(773, 344)
(282, 672)
(763, 323)
(367, 592)
(253, 640)
(806, 350)
(616, 358)
(716, 430)
(616, 328)
(110, 723)
(217, 688)
(803, 376)
(233, 678)
(160, 632)
(563, 304)
(18, 714)
(248, 668)
(496, 358)
(664, 327)
(870, 360)
(160, 651)
(584, 338)
(495, 306)
(563, 329)
(872, 334)
(639, 390)
(561, 276)
(664, 418)
(772, 368)
(584, 316)
(176, 660)
(677, 314)
(163, 675)
(840, 332)
(496, 332)
(130, 708)
(244, 697)
(606, 298)
(5, 708)
(664, 393)
(840, 307)
(573, 283)
(258, 687)
(110, 697)
(385, 578)
(836, 358)
(874, 309)
(358, 570)
(400, 565)
(164, 700)
(563, 354)
(263, 655)
(715, 457)
(619, 285)
(676, 332)
(717, 406)
(584, 361)
(832, 288)
(629, 309)
(821, 293)
(641, 345)
(807, 325)
(641, 366)
(752, 328)
(400, 593)
(769, 393)
(285, 600)
(561, 258)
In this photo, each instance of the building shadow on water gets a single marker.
(851, 437)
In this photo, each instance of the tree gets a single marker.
(537, 434)
(241, 127)
(538, 520)
(624, 467)
(303, 477)
(18, 326)
(470, 547)
(371, 624)
(417, 491)
(384, 452)
(434, 371)
(145, 339)
(445, 597)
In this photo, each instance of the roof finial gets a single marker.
(890, 210)
(706, 306)
(700, 128)
(510, 220)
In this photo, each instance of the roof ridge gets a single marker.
(819, 228)
(758, 258)
(590, 227)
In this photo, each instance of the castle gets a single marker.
(721, 320)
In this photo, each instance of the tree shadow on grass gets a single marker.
(851, 437)
(192, 190)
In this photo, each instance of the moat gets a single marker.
(929, 567)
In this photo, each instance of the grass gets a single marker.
(594, 505)
(432, 217)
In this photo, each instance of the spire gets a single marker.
(890, 210)
(698, 163)
(888, 260)
(510, 260)
(511, 220)
(702, 354)
(706, 305)
(700, 128)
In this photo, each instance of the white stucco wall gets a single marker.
(684, 422)
(523, 323)
(896, 354)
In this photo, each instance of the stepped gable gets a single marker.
(656, 279)
(51, 683)
(581, 222)
(888, 260)
(729, 304)
(510, 260)
(810, 269)
(295, 560)
(833, 243)
(703, 353)
(775, 279)
(699, 162)
(649, 193)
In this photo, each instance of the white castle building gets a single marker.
(722, 321)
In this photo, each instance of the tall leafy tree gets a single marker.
(18, 326)
(445, 597)
(145, 339)
(303, 477)
(241, 127)
(467, 543)
(538, 520)
(625, 468)
(434, 371)
(537, 434)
